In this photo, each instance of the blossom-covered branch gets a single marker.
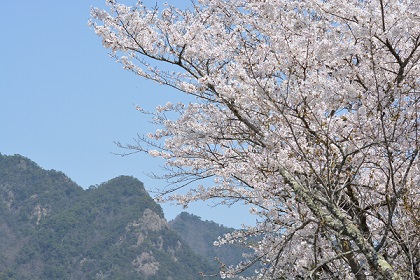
(307, 111)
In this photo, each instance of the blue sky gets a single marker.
(64, 101)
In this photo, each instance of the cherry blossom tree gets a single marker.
(307, 111)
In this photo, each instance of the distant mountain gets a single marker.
(50, 228)
(200, 235)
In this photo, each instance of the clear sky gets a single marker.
(64, 101)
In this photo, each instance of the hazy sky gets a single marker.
(64, 101)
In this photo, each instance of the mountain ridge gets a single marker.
(51, 228)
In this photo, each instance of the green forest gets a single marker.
(51, 228)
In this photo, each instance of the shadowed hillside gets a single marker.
(200, 235)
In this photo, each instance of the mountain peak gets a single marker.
(50, 228)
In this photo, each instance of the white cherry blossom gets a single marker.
(307, 111)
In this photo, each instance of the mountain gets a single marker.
(200, 236)
(50, 228)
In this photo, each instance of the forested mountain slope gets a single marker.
(200, 235)
(50, 228)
